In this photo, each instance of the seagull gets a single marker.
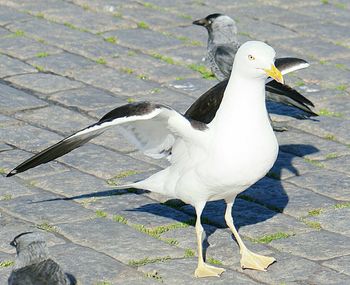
(33, 265)
(222, 47)
(208, 162)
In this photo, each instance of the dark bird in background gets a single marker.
(222, 47)
(33, 266)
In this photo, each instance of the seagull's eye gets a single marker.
(250, 57)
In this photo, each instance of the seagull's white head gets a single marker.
(256, 59)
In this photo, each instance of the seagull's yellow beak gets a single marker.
(274, 73)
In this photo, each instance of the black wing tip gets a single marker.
(12, 172)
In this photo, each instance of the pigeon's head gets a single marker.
(256, 60)
(23, 240)
(217, 23)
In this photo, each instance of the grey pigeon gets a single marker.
(222, 47)
(33, 266)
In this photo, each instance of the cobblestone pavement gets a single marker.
(63, 64)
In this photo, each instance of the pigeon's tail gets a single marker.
(286, 95)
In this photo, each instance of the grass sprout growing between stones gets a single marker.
(313, 225)
(214, 261)
(314, 162)
(147, 260)
(271, 237)
(112, 40)
(47, 227)
(6, 197)
(204, 71)
(123, 174)
(164, 58)
(154, 275)
(142, 25)
(100, 214)
(327, 113)
(120, 219)
(6, 263)
(342, 205)
(315, 212)
(101, 60)
(103, 283)
(42, 54)
(189, 252)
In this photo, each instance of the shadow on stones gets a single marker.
(260, 202)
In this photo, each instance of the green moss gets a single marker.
(340, 66)
(42, 54)
(120, 219)
(314, 162)
(144, 261)
(164, 58)
(213, 261)
(179, 78)
(3, 170)
(185, 16)
(155, 90)
(6, 197)
(300, 83)
(103, 283)
(189, 252)
(330, 137)
(19, 33)
(245, 34)
(342, 205)
(101, 60)
(142, 76)
(47, 227)
(311, 224)
(100, 214)
(170, 241)
(130, 100)
(142, 25)
(342, 87)
(131, 53)
(88, 201)
(127, 70)
(332, 155)
(112, 40)
(271, 237)
(327, 113)
(340, 6)
(323, 61)
(157, 231)
(40, 15)
(39, 68)
(6, 263)
(315, 212)
(205, 72)
(324, 2)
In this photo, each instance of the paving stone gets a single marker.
(123, 242)
(14, 100)
(308, 145)
(85, 19)
(332, 128)
(11, 227)
(10, 66)
(327, 217)
(65, 64)
(295, 270)
(324, 50)
(181, 271)
(340, 164)
(340, 264)
(5, 271)
(192, 86)
(190, 55)
(28, 137)
(116, 82)
(23, 48)
(87, 99)
(4, 147)
(52, 33)
(8, 15)
(144, 39)
(43, 207)
(11, 188)
(325, 182)
(74, 184)
(57, 119)
(138, 209)
(329, 245)
(88, 159)
(99, 49)
(44, 83)
(87, 265)
(283, 196)
(11, 159)
(4, 32)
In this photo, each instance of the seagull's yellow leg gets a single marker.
(248, 259)
(203, 269)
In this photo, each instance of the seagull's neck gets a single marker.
(243, 103)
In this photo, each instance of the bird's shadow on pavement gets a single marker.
(260, 202)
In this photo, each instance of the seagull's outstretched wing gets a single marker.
(206, 106)
(152, 128)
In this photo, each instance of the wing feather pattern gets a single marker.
(146, 127)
